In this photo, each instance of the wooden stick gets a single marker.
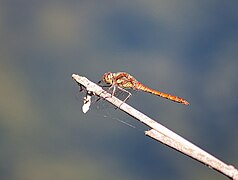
(195, 153)
(161, 133)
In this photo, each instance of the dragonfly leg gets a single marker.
(122, 89)
(129, 94)
(100, 83)
(103, 85)
(113, 91)
(108, 90)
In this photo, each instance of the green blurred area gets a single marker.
(187, 48)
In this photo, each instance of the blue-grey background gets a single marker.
(186, 48)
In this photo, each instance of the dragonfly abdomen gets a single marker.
(177, 99)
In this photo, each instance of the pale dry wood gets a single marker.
(161, 133)
(195, 153)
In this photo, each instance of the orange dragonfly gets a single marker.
(124, 81)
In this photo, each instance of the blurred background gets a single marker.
(186, 48)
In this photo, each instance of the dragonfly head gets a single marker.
(108, 78)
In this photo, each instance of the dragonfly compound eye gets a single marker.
(108, 78)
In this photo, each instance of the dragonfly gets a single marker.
(124, 80)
